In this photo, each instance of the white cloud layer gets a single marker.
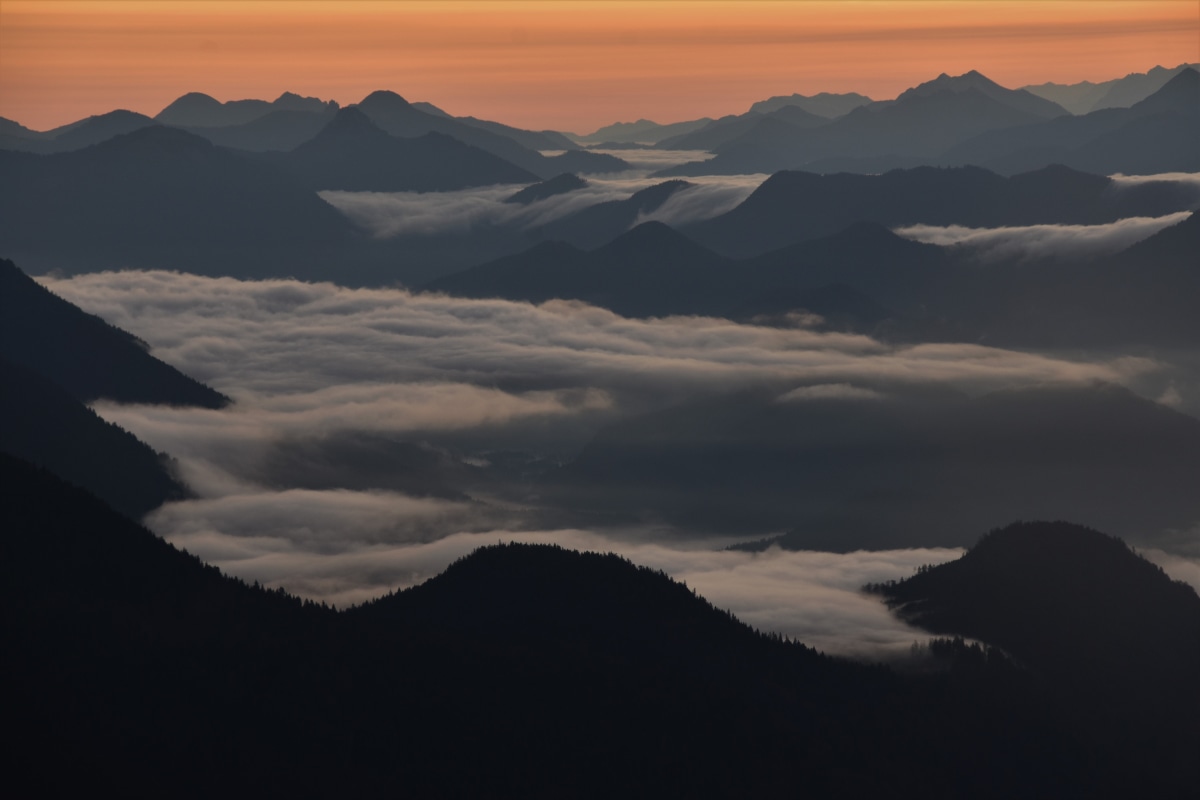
(814, 597)
(1191, 179)
(388, 214)
(1042, 241)
(312, 361)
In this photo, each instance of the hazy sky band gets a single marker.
(565, 65)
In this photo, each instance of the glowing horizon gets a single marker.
(562, 65)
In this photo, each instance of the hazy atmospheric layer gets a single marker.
(388, 214)
(459, 383)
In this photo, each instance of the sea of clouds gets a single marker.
(380, 372)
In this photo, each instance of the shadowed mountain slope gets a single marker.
(397, 116)
(352, 153)
(164, 198)
(280, 130)
(648, 271)
(643, 130)
(77, 135)
(823, 104)
(1056, 594)
(793, 206)
(1156, 134)
(559, 184)
(1085, 97)
(788, 119)
(84, 354)
(42, 423)
(1086, 613)
(593, 226)
(922, 122)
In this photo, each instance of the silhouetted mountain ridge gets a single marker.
(84, 354)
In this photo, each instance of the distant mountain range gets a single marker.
(163, 197)
(794, 206)
(352, 153)
(641, 131)
(291, 120)
(864, 278)
(1085, 97)
(953, 120)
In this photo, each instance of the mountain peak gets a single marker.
(189, 107)
(650, 198)
(976, 81)
(384, 98)
(655, 239)
(350, 121)
(953, 83)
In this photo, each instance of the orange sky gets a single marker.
(558, 63)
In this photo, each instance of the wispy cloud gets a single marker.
(1191, 179)
(354, 550)
(389, 214)
(1042, 241)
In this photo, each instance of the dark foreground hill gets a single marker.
(1055, 595)
(1084, 611)
(84, 354)
(522, 671)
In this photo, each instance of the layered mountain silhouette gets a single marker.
(280, 130)
(867, 279)
(82, 353)
(643, 130)
(164, 198)
(654, 271)
(1085, 97)
(922, 122)
(352, 153)
(199, 110)
(970, 119)
(1154, 135)
(823, 104)
(54, 358)
(76, 135)
(397, 116)
(753, 126)
(597, 224)
(648, 271)
(792, 206)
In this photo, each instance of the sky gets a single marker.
(560, 64)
